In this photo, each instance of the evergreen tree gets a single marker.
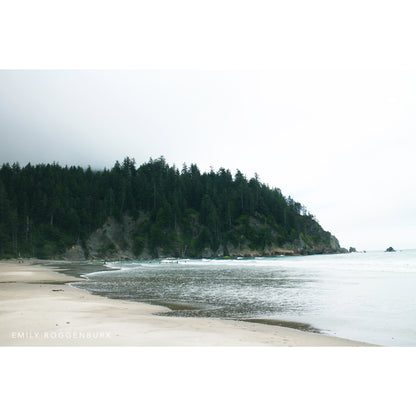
(45, 209)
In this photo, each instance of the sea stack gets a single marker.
(390, 250)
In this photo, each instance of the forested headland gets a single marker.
(154, 210)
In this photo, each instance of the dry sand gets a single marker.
(38, 308)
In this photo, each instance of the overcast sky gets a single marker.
(342, 143)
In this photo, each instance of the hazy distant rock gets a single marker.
(352, 250)
(390, 250)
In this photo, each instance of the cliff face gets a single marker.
(119, 241)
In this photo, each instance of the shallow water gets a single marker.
(368, 297)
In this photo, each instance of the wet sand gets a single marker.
(39, 308)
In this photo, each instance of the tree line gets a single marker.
(47, 208)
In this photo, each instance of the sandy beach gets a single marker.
(39, 308)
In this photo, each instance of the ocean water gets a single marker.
(368, 297)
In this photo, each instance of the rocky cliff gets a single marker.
(118, 241)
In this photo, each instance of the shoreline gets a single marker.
(39, 307)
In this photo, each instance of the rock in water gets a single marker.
(390, 250)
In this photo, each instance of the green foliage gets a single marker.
(138, 244)
(307, 239)
(45, 209)
(108, 249)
